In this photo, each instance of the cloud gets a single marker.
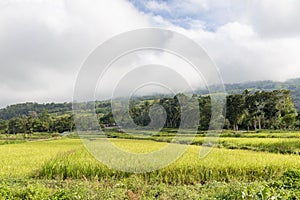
(43, 43)
(271, 18)
(250, 40)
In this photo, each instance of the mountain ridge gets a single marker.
(16, 110)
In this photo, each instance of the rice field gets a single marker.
(64, 169)
(220, 165)
(19, 160)
(273, 145)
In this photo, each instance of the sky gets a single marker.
(43, 43)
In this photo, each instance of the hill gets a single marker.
(237, 88)
(18, 110)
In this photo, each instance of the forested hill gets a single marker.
(18, 110)
(293, 85)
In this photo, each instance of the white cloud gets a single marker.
(271, 18)
(243, 55)
(258, 40)
(43, 42)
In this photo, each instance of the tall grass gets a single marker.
(63, 169)
(20, 159)
(220, 165)
(274, 145)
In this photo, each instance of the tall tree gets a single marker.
(235, 110)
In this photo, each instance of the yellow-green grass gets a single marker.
(67, 158)
(86, 178)
(21, 159)
(224, 133)
(274, 145)
(138, 146)
(219, 165)
(268, 134)
(261, 141)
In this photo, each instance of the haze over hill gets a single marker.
(59, 108)
(292, 84)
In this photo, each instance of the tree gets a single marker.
(288, 113)
(235, 110)
(15, 125)
(173, 111)
(44, 121)
(205, 112)
(3, 126)
(254, 103)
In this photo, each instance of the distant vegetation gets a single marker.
(248, 111)
(25, 109)
(250, 106)
(293, 85)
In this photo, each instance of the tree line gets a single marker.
(23, 109)
(247, 111)
(33, 122)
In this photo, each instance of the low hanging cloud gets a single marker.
(43, 43)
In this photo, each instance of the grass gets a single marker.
(271, 135)
(20, 159)
(32, 136)
(279, 142)
(275, 145)
(67, 158)
(64, 169)
(134, 188)
(244, 134)
(219, 165)
(3, 142)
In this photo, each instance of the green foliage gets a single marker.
(289, 180)
(3, 126)
(19, 110)
(292, 85)
(235, 109)
(249, 110)
(129, 187)
(39, 123)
